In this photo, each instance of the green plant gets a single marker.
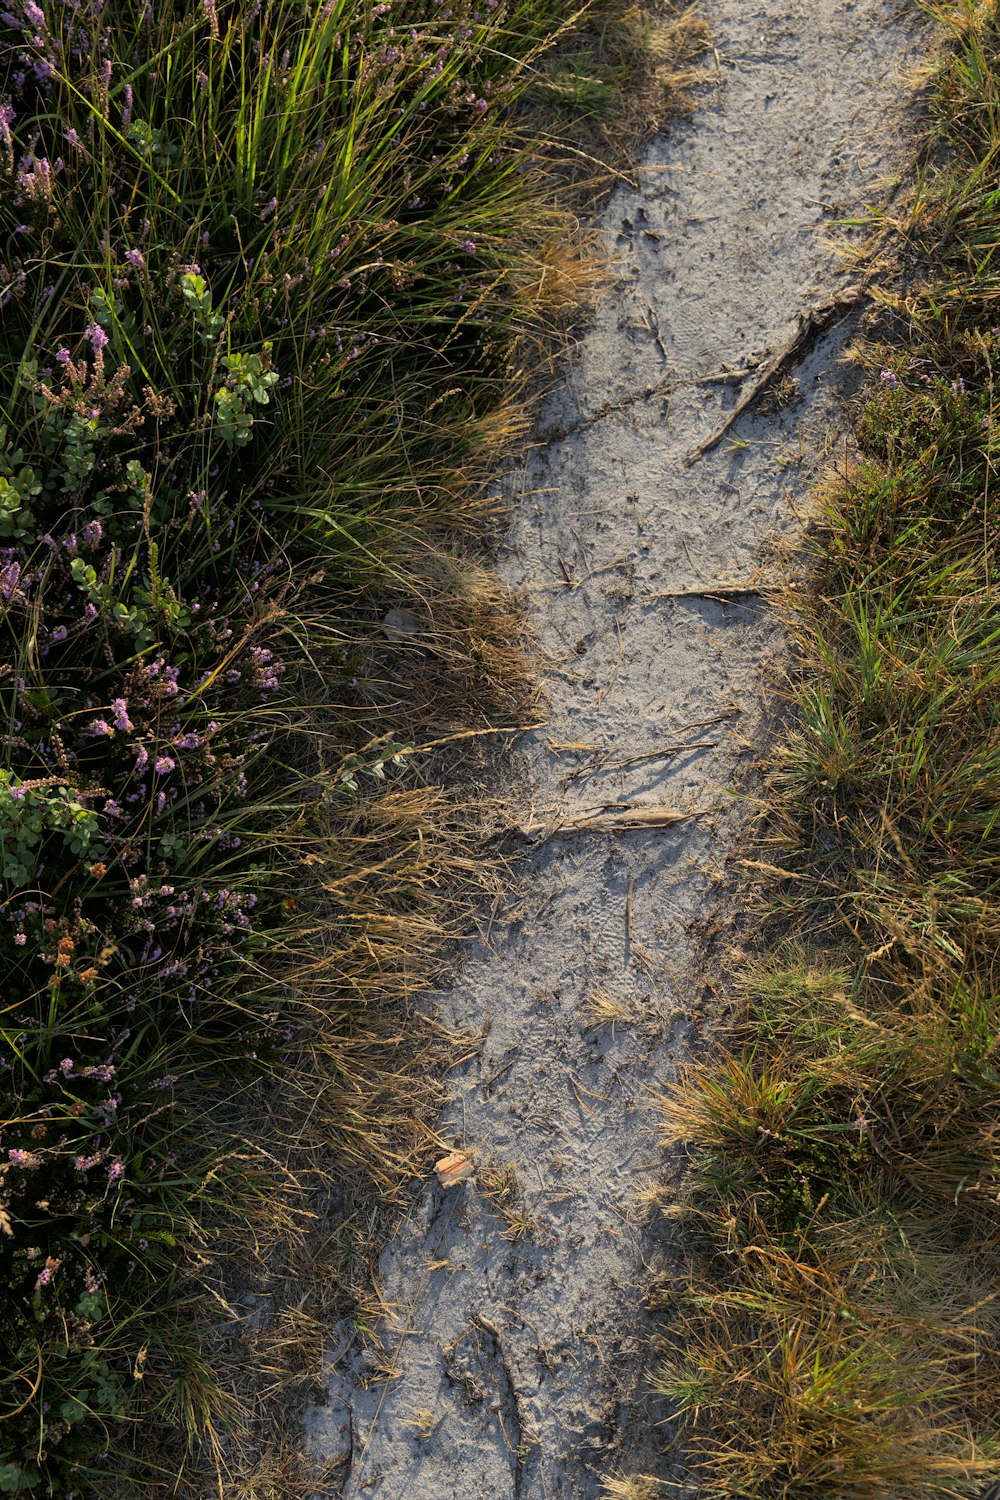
(213, 214)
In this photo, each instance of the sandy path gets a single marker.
(520, 1358)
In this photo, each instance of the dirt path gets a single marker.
(518, 1331)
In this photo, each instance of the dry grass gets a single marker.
(631, 1487)
(614, 83)
(334, 1144)
(840, 1336)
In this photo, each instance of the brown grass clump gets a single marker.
(613, 83)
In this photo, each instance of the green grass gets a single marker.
(273, 279)
(840, 1334)
(267, 280)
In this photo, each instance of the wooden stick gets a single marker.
(609, 820)
(600, 767)
(710, 591)
(811, 321)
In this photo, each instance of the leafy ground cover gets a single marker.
(839, 1332)
(265, 272)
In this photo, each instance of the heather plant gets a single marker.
(264, 269)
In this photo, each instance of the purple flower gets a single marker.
(96, 337)
(63, 356)
(136, 258)
(59, 634)
(101, 727)
(36, 183)
(163, 765)
(889, 379)
(122, 720)
(92, 532)
(469, 246)
(127, 107)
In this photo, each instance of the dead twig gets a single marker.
(623, 815)
(665, 385)
(571, 581)
(711, 591)
(601, 767)
(810, 321)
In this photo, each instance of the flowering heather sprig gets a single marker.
(10, 577)
(29, 1160)
(104, 85)
(6, 139)
(51, 1266)
(35, 180)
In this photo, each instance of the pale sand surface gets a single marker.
(522, 1361)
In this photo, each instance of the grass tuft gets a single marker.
(271, 277)
(840, 1334)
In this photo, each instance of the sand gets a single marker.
(517, 1322)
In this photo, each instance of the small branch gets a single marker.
(711, 591)
(624, 815)
(602, 767)
(811, 321)
(665, 386)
